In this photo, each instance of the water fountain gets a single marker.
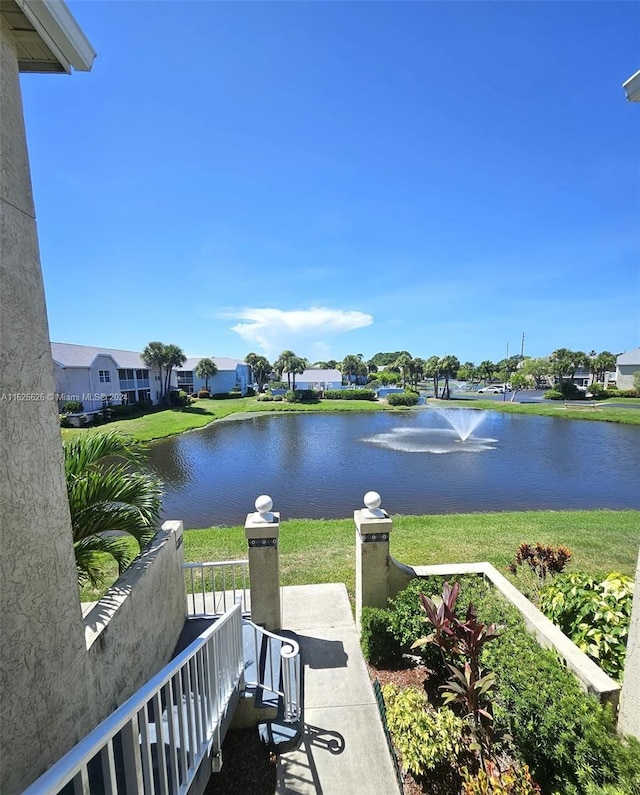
(458, 438)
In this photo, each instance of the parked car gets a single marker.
(492, 389)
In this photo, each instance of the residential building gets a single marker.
(626, 365)
(233, 374)
(100, 377)
(320, 380)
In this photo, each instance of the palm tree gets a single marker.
(297, 366)
(109, 495)
(154, 357)
(282, 364)
(260, 367)
(432, 370)
(206, 368)
(174, 357)
(404, 363)
(350, 366)
(449, 366)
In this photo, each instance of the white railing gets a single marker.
(213, 587)
(280, 652)
(156, 741)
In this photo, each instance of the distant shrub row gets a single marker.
(350, 394)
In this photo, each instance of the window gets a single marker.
(129, 396)
(105, 376)
(125, 375)
(144, 394)
(142, 375)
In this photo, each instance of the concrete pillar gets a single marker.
(261, 530)
(44, 673)
(629, 715)
(373, 528)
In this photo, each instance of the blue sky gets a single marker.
(338, 178)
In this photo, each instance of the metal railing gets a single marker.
(281, 655)
(214, 586)
(156, 741)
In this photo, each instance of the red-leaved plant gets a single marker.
(462, 641)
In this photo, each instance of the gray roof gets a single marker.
(318, 376)
(221, 362)
(630, 357)
(68, 355)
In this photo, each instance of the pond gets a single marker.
(320, 465)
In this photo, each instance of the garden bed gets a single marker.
(538, 718)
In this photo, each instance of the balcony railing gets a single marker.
(157, 739)
(214, 586)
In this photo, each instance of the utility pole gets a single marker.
(506, 375)
(522, 347)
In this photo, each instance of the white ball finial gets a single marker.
(372, 502)
(264, 504)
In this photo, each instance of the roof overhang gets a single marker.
(632, 87)
(48, 39)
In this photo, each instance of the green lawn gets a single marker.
(602, 412)
(318, 551)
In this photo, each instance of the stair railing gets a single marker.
(157, 739)
(287, 652)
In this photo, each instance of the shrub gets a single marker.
(278, 398)
(64, 421)
(179, 398)
(73, 407)
(204, 393)
(224, 395)
(121, 410)
(425, 737)
(349, 394)
(515, 780)
(306, 396)
(250, 391)
(265, 398)
(277, 385)
(595, 615)
(290, 396)
(403, 399)
(597, 390)
(379, 646)
(540, 561)
(564, 735)
(554, 394)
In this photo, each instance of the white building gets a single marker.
(626, 365)
(320, 380)
(233, 374)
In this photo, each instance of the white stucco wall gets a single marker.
(624, 375)
(44, 668)
(132, 631)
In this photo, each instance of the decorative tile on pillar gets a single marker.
(367, 537)
(263, 542)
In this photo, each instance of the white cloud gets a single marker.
(301, 330)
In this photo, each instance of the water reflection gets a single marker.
(320, 465)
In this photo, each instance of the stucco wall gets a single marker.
(44, 671)
(132, 631)
(624, 375)
(629, 717)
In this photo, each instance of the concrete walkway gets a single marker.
(343, 749)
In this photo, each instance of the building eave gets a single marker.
(60, 33)
(632, 87)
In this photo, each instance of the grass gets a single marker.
(319, 551)
(603, 411)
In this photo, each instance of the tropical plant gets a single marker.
(260, 367)
(352, 366)
(110, 495)
(486, 369)
(540, 560)
(206, 368)
(595, 614)
(425, 737)
(154, 357)
(432, 370)
(448, 366)
(404, 363)
(463, 640)
(491, 780)
(163, 358)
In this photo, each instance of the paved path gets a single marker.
(343, 750)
